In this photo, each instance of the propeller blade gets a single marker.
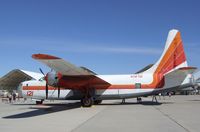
(41, 71)
(47, 91)
(58, 92)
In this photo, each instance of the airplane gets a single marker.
(69, 82)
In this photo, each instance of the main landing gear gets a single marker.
(87, 102)
(123, 101)
(139, 99)
(154, 98)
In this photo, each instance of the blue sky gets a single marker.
(107, 36)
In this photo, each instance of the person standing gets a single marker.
(14, 96)
(10, 98)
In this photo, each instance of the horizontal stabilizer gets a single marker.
(178, 76)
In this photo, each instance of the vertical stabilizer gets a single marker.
(173, 56)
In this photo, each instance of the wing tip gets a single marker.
(43, 57)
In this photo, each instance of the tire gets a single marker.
(139, 99)
(96, 102)
(87, 102)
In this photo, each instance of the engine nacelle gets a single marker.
(52, 78)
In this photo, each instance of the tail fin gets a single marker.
(173, 56)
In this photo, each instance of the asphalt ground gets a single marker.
(177, 113)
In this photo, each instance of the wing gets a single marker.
(61, 65)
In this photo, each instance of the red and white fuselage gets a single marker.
(169, 73)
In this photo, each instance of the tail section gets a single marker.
(173, 56)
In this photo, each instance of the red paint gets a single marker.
(40, 88)
(29, 93)
(44, 57)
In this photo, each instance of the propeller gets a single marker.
(41, 71)
(58, 89)
(58, 92)
(47, 88)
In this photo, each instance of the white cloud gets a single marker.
(65, 46)
(137, 50)
(103, 49)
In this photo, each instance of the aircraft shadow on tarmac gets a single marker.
(195, 100)
(42, 110)
(52, 108)
(150, 103)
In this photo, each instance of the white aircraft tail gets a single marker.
(173, 56)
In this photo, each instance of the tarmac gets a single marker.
(178, 113)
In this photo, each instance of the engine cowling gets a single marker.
(52, 78)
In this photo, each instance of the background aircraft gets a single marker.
(69, 82)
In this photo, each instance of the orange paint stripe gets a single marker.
(98, 87)
(167, 60)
